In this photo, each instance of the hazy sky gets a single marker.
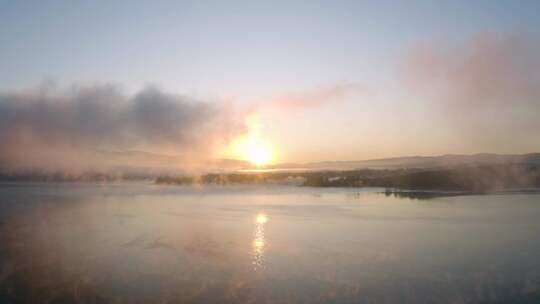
(326, 79)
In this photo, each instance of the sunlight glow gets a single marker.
(257, 152)
(251, 146)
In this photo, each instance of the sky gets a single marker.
(316, 80)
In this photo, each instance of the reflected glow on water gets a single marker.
(259, 242)
(261, 218)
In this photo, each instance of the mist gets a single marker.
(485, 88)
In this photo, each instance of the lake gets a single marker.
(147, 243)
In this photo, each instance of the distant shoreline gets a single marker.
(467, 179)
(427, 194)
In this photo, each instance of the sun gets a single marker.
(251, 146)
(257, 152)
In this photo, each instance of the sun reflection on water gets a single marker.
(259, 242)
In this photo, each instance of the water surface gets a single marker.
(145, 243)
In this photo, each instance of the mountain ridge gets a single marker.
(416, 161)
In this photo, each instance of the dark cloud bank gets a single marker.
(71, 128)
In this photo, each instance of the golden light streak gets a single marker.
(259, 242)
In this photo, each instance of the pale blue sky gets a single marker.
(256, 49)
(239, 47)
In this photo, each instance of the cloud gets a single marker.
(40, 127)
(321, 96)
(487, 88)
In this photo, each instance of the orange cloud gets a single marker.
(294, 101)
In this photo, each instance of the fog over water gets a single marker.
(144, 243)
